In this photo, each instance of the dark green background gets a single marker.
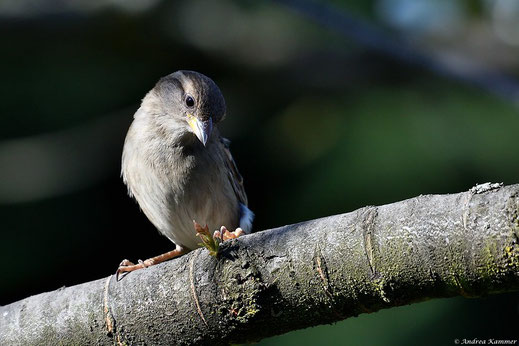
(319, 125)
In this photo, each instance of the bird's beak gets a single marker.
(202, 129)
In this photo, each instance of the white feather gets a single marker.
(246, 218)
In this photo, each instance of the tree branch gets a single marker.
(292, 277)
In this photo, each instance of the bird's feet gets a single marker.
(126, 266)
(212, 242)
(225, 234)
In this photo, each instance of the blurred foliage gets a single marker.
(319, 125)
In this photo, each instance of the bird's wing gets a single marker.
(234, 175)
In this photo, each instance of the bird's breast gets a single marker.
(205, 197)
(175, 185)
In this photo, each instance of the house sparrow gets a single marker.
(179, 168)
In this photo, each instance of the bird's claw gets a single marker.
(125, 263)
(127, 266)
(226, 234)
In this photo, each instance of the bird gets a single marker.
(179, 168)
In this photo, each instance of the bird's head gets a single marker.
(191, 101)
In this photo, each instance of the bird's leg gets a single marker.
(127, 266)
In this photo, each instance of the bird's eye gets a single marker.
(190, 101)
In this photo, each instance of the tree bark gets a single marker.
(302, 275)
